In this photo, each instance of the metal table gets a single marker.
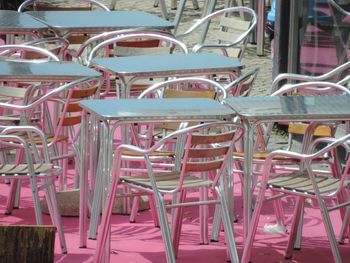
(113, 113)
(94, 22)
(256, 110)
(43, 72)
(12, 22)
(129, 69)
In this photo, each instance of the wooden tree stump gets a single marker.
(23, 243)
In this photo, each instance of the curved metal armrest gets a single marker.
(321, 86)
(331, 144)
(32, 130)
(300, 77)
(10, 49)
(48, 96)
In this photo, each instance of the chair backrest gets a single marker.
(332, 76)
(191, 87)
(147, 41)
(70, 114)
(135, 45)
(242, 86)
(231, 31)
(26, 52)
(311, 89)
(56, 45)
(60, 5)
(17, 139)
(67, 95)
(203, 148)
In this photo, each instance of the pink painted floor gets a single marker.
(142, 242)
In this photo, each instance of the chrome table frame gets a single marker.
(113, 113)
(254, 111)
(129, 69)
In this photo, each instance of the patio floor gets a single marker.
(142, 242)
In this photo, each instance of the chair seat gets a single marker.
(263, 156)
(154, 154)
(300, 182)
(49, 138)
(22, 169)
(166, 181)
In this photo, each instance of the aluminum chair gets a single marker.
(81, 5)
(232, 32)
(62, 137)
(289, 165)
(146, 135)
(36, 167)
(335, 75)
(20, 51)
(206, 147)
(307, 182)
(135, 43)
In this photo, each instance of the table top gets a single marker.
(92, 21)
(44, 71)
(149, 110)
(175, 64)
(12, 21)
(279, 108)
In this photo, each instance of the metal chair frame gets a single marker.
(35, 167)
(316, 186)
(192, 155)
(240, 41)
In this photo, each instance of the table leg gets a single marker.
(248, 175)
(83, 181)
(260, 28)
(178, 16)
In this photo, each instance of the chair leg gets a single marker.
(36, 200)
(227, 225)
(166, 234)
(17, 195)
(330, 232)
(177, 223)
(104, 231)
(50, 194)
(345, 226)
(11, 197)
(277, 204)
(298, 212)
(153, 208)
(297, 243)
(134, 209)
(253, 227)
(216, 224)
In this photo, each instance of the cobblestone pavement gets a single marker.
(250, 60)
